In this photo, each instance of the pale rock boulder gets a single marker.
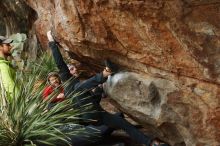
(181, 113)
(171, 45)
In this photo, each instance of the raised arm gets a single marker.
(63, 69)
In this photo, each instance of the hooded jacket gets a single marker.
(7, 78)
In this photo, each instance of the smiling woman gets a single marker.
(26, 120)
(54, 83)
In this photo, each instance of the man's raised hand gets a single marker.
(49, 36)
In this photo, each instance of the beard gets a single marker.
(7, 53)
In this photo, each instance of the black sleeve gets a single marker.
(91, 82)
(64, 71)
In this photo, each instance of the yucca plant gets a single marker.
(26, 120)
(43, 65)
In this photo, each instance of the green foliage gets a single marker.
(26, 120)
(18, 37)
(46, 64)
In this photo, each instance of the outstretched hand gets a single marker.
(50, 36)
(106, 72)
(60, 96)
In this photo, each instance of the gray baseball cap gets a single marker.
(4, 40)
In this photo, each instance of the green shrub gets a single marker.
(26, 120)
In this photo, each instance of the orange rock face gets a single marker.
(175, 40)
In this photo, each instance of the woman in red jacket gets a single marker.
(54, 82)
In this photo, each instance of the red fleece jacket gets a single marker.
(48, 90)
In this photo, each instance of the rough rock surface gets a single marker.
(17, 17)
(174, 45)
(178, 110)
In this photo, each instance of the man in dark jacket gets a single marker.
(87, 96)
(90, 134)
